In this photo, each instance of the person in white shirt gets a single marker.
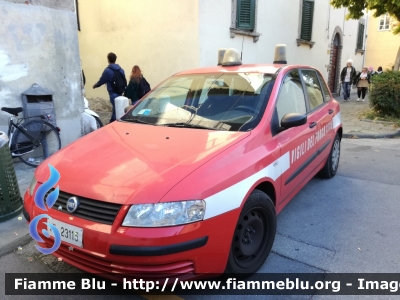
(347, 77)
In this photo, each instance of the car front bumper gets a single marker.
(116, 252)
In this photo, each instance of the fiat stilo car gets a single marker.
(190, 180)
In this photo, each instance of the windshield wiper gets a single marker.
(188, 125)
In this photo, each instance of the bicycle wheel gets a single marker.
(39, 140)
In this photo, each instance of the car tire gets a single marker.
(332, 163)
(253, 237)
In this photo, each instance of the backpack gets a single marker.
(118, 82)
(144, 88)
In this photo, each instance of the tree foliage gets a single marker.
(381, 7)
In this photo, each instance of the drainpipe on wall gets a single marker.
(329, 21)
(328, 66)
(344, 20)
(366, 36)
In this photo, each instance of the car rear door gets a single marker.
(322, 114)
(296, 142)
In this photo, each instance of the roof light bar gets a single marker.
(231, 58)
(280, 54)
(221, 53)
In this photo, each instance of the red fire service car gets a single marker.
(190, 180)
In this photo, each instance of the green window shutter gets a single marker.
(307, 20)
(360, 39)
(246, 13)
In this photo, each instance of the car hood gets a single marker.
(129, 163)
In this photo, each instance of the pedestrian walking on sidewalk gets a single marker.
(138, 86)
(347, 77)
(132, 91)
(114, 77)
(362, 82)
(379, 71)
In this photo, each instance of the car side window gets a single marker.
(313, 88)
(291, 96)
(324, 88)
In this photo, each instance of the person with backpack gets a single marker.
(132, 91)
(114, 77)
(138, 86)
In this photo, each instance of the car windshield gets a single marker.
(227, 101)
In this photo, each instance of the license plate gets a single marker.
(69, 233)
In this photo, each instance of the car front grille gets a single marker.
(89, 209)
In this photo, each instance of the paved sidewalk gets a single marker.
(353, 127)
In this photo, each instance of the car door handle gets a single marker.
(331, 111)
(313, 124)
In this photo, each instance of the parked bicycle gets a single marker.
(32, 139)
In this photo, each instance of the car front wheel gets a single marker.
(253, 236)
(332, 163)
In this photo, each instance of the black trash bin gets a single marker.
(10, 198)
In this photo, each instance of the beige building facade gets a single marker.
(161, 37)
(165, 37)
(382, 45)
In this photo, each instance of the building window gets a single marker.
(384, 22)
(244, 18)
(307, 20)
(246, 14)
(360, 37)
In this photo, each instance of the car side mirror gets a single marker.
(293, 120)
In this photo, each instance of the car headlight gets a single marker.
(165, 214)
(32, 186)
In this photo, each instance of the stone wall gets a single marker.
(39, 44)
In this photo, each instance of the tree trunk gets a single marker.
(397, 61)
